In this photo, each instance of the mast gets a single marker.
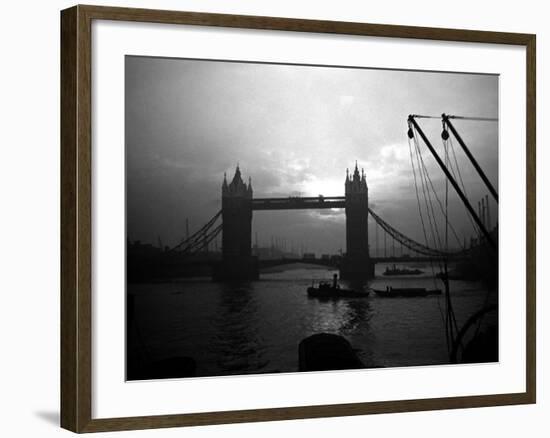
(453, 182)
(447, 122)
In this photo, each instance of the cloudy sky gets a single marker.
(294, 130)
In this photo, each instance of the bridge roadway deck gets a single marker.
(299, 203)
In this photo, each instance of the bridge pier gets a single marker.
(354, 268)
(356, 264)
(237, 261)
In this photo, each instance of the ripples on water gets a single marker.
(256, 327)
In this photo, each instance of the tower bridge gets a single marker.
(237, 261)
(238, 205)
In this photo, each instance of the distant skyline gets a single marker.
(294, 130)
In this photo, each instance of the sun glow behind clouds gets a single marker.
(294, 130)
(389, 171)
(315, 186)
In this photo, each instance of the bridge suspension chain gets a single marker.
(207, 234)
(406, 241)
(198, 237)
(202, 243)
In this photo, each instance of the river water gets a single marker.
(256, 327)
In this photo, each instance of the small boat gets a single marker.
(333, 290)
(392, 292)
(394, 271)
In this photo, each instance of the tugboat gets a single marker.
(403, 271)
(406, 292)
(333, 290)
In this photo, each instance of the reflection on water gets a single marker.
(236, 338)
(256, 327)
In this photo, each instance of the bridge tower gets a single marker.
(237, 260)
(356, 264)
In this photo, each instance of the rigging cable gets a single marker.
(452, 316)
(425, 197)
(474, 226)
(449, 327)
(417, 194)
(442, 209)
(423, 170)
(474, 119)
(450, 319)
(417, 148)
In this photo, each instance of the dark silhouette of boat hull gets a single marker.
(333, 290)
(408, 292)
(395, 271)
(326, 351)
(334, 293)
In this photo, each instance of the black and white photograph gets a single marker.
(275, 219)
(285, 218)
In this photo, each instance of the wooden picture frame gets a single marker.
(76, 217)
